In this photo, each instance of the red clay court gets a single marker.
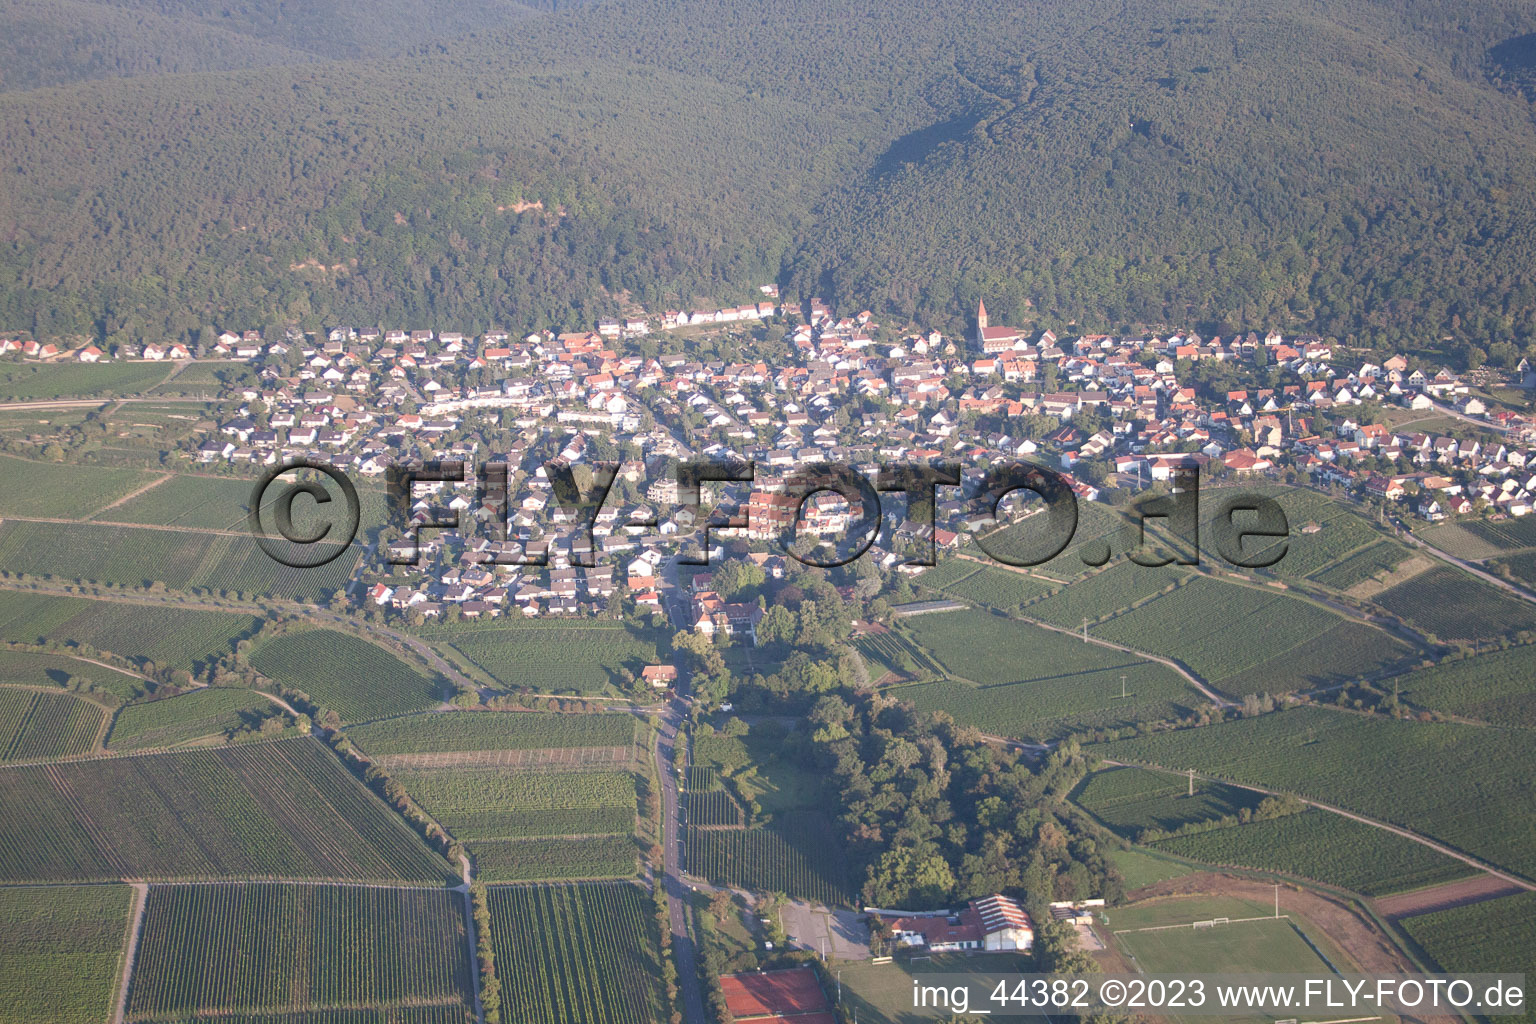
(791, 995)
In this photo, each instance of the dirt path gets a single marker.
(1441, 848)
(133, 494)
(140, 899)
(1189, 677)
(467, 873)
(134, 526)
(1443, 897)
(1467, 566)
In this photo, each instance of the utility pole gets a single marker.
(1122, 687)
(1191, 782)
(1085, 629)
(1277, 899)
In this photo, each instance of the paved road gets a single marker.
(672, 877)
(1462, 563)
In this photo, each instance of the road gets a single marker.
(1362, 819)
(690, 994)
(140, 899)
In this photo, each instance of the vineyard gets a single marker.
(1103, 593)
(1499, 687)
(395, 1015)
(1322, 530)
(548, 860)
(798, 855)
(27, 668)
(217, 503)
(1096, 523)
(357, 679)
(167, 635)
(245, 947)
(488, 803)
(493, 730)
(20, 382)
(62, 952)
(1344, 653)
(1521, 568)
(188, 716)
(551, 656)
(1050, 709)
(35, 725)
(895, 653)
(256, 810)
(1199, 624)
(1455, 606)
(577, 954)
(1497, 935)
(1370, 561)
(1468, 786)
(714, 807)
(1131, 800)
(51, 490)
(1325, 847)
(182, 560)
(997, 588)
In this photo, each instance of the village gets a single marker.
(1117, 415)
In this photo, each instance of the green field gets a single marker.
(1324, 533)
(53, 490)
(492, 730)
(1273, 944)
(355, 678)
(188, 716)
(1132, 801)
(1225, 632)
(1467, 786)
(1493, 936)
(798, 855)
(893, 652)
(255, 810)
(1452, 605)
(62, 952)
(1140, 868)
(21, 382)
(1095, 523)
(882, 993)
(577, 954)
(198, 502)
(165, 634)
(553, 656)
(552, 860)
(1499, 687)
(183, 560)
(1325, 847)
(243, 947)
(991, 586)
(500, 803)
(1376, 558)
(1105, 592)
(35, 668)
(38, 724)
(1036, 683)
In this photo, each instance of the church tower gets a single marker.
(981, 316)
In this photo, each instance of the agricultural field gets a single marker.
(497, 803)
(207, 377)
(493, 730)
(1096, 524)
(1499, 687)
(39, 724)
(553, 656)
(214, 711)
(130, 556)
(997, 588)
(22, 382)
(1468, 786)
(947, 572)
(577, 954)
(1324, 847)
(713, 807)
(1322, 531)
(53, 490)
(1520, 569)
(1132, 801)
(36, 668)
(197, 502)
(1375, 559)
(286, 810)
(62, 954)
(798, 855)
(1237, 946)
(164, 634)
(1453, 605)
(357, 679)
(894, 653)
(1104, 593)
(1199, 623)
(1052, 709)
(1498, 935)
(991, 650)
(550, 860)
(250, 947)
(1347, 652)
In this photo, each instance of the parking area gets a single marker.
(837, 933)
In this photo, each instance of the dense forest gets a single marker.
(1364, 169)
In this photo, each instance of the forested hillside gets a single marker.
(1359, 168)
